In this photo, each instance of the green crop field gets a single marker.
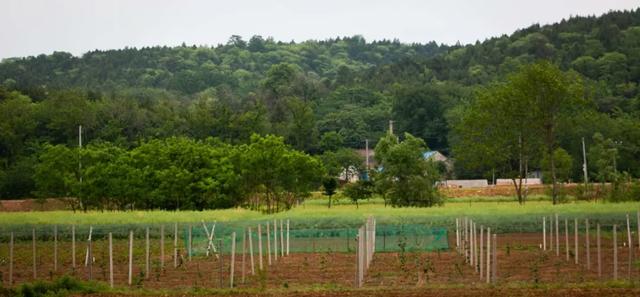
(502, 213)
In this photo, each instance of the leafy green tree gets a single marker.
(331, 141)
(408, 177)
(603, 155)
(56, 173)
(329, 186)
(359, 190)
(564, 164)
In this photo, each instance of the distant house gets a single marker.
(465, 183)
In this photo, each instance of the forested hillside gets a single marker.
(320, 96)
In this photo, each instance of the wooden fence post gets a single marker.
(472, 243)
(551, 233)
(566, 237)
(615, 252)
(253, 271)
(557, 238)
(130, 280)
(638, 224)
(11, 260)
(287, 237)
(260, 246)
(587, 243)
(481, 251)
(281, 238)
(175, 245)
(147, 255)
(55, 248)
(221, 261)
(233, 259)
(599, 255)
(73, 247)
(577, 254)
(544, 233)
(488, 272)
(190, 242)
(457, 236)
(35, 257)
(494, 262)
(111, 259)
(162, 247)
(630, 243)
(275, 240)
(90, 257)
(268, 244)
(244, 253)
(475, 247)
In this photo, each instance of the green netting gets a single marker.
(389, 238)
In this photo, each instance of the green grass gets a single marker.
(502, 213)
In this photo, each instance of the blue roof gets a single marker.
(428, 154)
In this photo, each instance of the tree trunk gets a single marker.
(518, 186)
(554, 189)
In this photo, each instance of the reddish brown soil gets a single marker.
(33, 205)
(520, 263)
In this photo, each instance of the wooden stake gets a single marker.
(544, 233)
(631, 250)
(481, 251)
(488, 272)
(551, 233)
(575, 224)
(287, 237)
(35, 258)
(615, 252)
(190, 243)
(90, 257)
(598, 247)
(175, 245)
(244, 253)
(275, 240)
(111, 259)
(557, 238)
(471, 243)
(566, 237)
(130, 280)
(233, 258)
(457, 236)
(55, 248)
(268, 244)
(638, 223)
(73, 247)
(147, 255)
(587, 244)
(494, 262)
(161, 247)
(260, 246)
(281, 238)
(11, 260)
(253, 271)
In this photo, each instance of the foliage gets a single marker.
(409, 179)
(309, 92)
(329, 185)
(359, 190)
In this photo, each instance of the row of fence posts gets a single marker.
(282, 241)
(587, 244)
(365, 248)
(482, 257)
(277, 240)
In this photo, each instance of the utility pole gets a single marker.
(80, 162)
(366, 152)
(584, 163)
(391, 127)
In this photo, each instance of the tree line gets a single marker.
(327, 97)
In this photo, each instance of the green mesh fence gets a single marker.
(389, 238)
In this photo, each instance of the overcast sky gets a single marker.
(31, 27)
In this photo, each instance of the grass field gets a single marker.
(501, 212)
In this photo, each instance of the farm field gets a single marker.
(328, 268)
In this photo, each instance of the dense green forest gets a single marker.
(320, 97)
